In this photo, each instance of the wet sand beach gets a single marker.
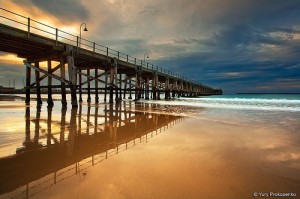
(147, 150)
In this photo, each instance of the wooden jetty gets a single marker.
(81, 63)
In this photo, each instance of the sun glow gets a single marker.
(10, 59)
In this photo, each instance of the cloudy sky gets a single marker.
(236, 45)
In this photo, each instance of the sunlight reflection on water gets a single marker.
(146, 150)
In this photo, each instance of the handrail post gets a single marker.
(107, 53)
(94, 47)
(118, 55)
(77, 43)
(28, 27)
(56, 36)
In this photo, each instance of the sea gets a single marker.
(264, 102)
(268, 109)
(227, 146)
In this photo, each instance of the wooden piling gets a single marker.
(167, 85)
(63, 85)
(174, 88)
(89, 86)
(72, 78)
(120, 86)
(38, 88)
(130, 89)
(154, 86)
(111, 82)
(147, 88)
(28, 82)
(142, 89)
(136, 93)
(115, 74)
(173, 93)
(181, 89)
(49, 100)
(158, 93)
(80, 85)
(125, 88)
(105, 87)
(73, 95)
(96, 87)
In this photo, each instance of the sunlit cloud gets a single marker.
(236, 39)
(10, 59)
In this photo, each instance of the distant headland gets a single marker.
(258, 93)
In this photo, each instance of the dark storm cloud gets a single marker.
(130, 46)
(66, 10)
(243, 36)
(246, 53)
(234, 74)
(237, 45)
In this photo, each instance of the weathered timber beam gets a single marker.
(126, 78)
(90, 77)
(44, 76)
(94, 78)
(45, 72)
(131, 84)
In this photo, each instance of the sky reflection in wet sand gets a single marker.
(199, 157)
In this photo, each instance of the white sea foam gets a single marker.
(248, 100)
(237, 103)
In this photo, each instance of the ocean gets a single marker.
(269, 109)
(267, 102)
(229, 146)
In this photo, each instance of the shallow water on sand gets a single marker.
(147, 150)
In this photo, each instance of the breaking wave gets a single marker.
(237, 103)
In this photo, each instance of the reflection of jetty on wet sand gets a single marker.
(61, 149)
